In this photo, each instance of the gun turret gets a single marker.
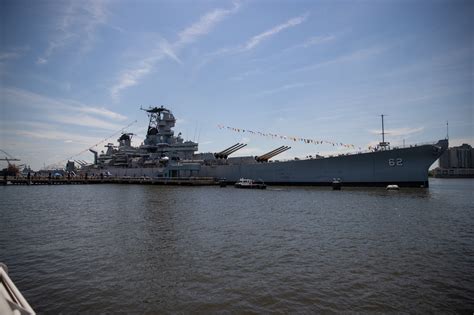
(267, 156)
(232, 149)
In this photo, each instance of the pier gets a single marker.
(176, 181)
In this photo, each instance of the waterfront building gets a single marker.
(456, 162)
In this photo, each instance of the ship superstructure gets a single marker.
(162, 155)
(161, 151)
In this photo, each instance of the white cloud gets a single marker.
(169, 51)
(84, 120)
(36, 146)
(310, 42)
(398, 132)
(77, 25)
(288, 87)
(138, 70)
(316, 40)
(252, 42)
(131, 76)
(134, 74)
(102, 112)
(45, 131)
(246, 74)
(205, 24)
(11, 53)
(59, 110)
(352, 56)
(49, 142)
(41, 61)
(8, 55)
(257, 39)
(57, 135)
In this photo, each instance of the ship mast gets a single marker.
(383, 144)
(383, 131)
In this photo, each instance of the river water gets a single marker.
(156, 249)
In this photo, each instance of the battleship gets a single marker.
(164, 155)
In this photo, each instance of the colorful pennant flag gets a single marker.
(283, 137)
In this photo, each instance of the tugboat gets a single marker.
(250, 184)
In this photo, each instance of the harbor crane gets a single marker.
(8, 158)
(12, 169)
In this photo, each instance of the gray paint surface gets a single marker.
(404, 165)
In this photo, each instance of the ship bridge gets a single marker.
(160, 138)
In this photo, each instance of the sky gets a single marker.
(76, 73)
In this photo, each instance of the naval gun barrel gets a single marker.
(79, 162)
(265, 157)
(221, 153)
(224, 153)
(271, 152)
(278, 152)
(234, 150)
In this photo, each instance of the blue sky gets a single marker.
(76, 72)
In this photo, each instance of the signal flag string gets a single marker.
(291, 138)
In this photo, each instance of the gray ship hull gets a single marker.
(407, 167)
(163, 155)
(404, 167)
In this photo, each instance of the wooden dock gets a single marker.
(176, 181)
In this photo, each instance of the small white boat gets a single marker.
(392, 187)
(250, 183)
